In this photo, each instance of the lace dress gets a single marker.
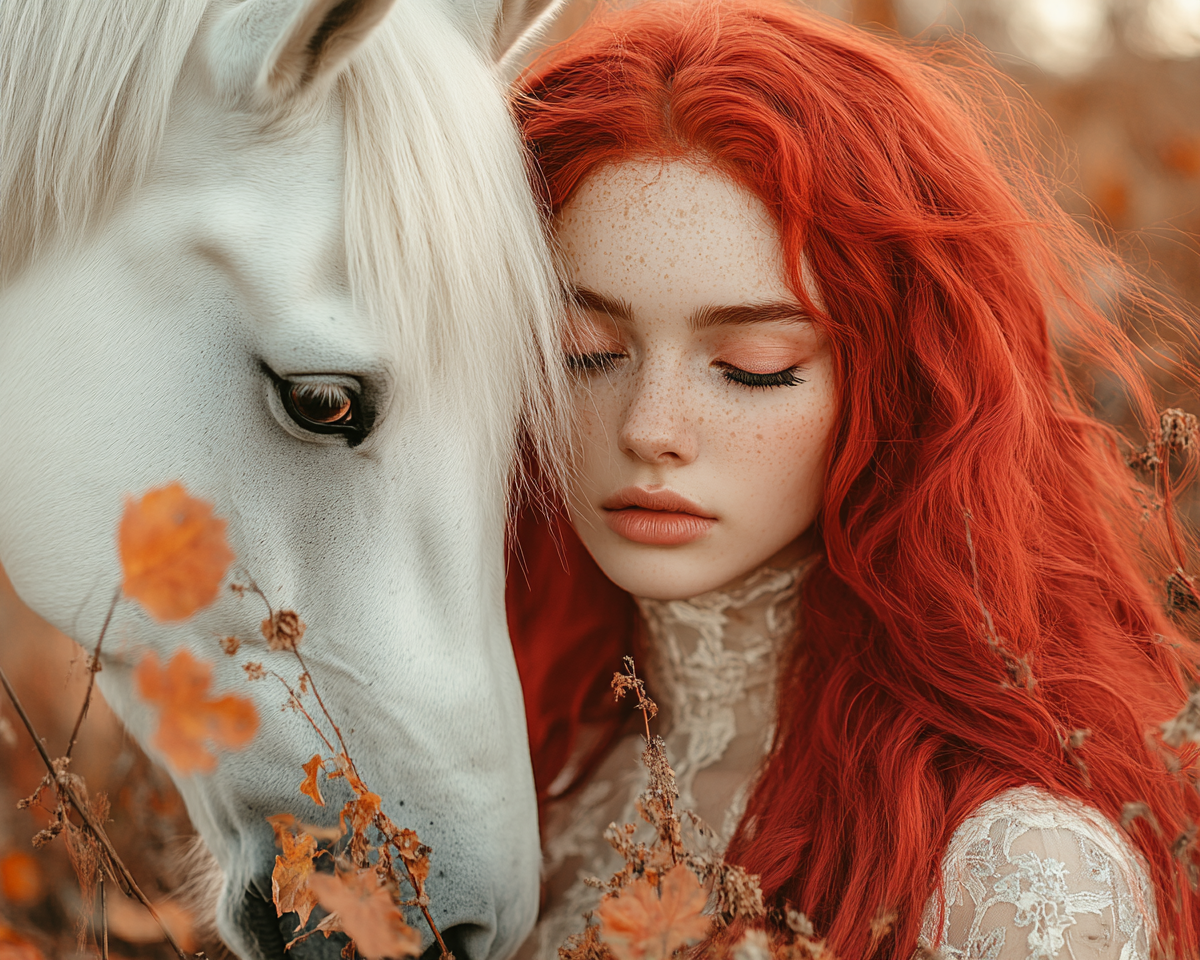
(1037, 876)
(1028, 875)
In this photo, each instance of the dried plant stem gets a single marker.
(381, 821)
(337, 731)
(437, 934)
(388, 830)
(93, 669)
(63, 784)
(993, 639)
(103, 918)
(254, 588)
(295, 699)
(1017, 667)
(622, 683)
(1164, 479)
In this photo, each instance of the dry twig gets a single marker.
(93, 669)
(283, 631)
(1017, 667)
(56, 771)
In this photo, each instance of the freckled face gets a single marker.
(704, 398)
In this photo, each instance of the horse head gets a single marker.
(285, 252)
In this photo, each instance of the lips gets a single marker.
(660, 518)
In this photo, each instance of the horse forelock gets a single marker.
(442, 236)
(442, 232)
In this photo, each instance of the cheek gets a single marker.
(775, 459)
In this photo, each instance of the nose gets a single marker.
(659, 423)
(271, 934)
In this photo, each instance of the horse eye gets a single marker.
(325, 404)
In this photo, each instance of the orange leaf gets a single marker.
(415, 855)
(367, 914)
(20, 878)
(189, 719)
(309, 786)
(344, 768)
(361, 811)
(290, 880)
(173, 552)
(644, 922)
(13, 946)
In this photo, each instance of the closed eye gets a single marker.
(763, 381)
(583, 363)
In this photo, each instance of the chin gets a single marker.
(663, 573)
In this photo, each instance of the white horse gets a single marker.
(285, 252)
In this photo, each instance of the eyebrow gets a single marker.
(702, 319)
(781, 310)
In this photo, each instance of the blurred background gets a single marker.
(1119, 83)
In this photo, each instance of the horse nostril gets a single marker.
(456, 942)
(256, 915)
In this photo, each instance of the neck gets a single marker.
(712, 664)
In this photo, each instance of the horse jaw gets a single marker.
(144, 351)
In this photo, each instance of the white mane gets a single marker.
(447, 230)
(85, 89)
(441, 235)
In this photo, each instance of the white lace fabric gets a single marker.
(1030, 875)
(712, 663)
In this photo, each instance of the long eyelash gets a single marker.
(760, 381)
(592, 362)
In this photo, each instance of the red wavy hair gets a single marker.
(944, 265)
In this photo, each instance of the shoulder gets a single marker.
(1029, 873)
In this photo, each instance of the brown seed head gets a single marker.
(283, 630)
(1178, 430)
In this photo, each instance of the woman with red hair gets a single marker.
(897, 590)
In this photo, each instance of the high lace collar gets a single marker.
(711, 663)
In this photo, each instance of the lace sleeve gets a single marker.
(1030, 875)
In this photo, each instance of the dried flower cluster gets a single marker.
(378, 867)
(667, 897)
(283, 630)
(1178, 433)
(1181, 593)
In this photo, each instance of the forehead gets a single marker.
(671, 235)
